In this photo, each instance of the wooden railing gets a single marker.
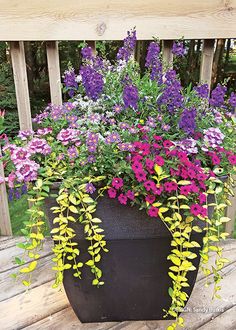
(93, 20)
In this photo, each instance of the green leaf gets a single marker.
(90, 263)
(73, 209)
(96, 220)
(26, 283)
(88, 200)
(184, 182)
(170, 291)
(72, 199)
(158, 169)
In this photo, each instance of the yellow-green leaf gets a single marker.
(73, 209)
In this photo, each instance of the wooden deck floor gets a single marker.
(46, 308)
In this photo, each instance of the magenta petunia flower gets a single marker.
(137, 167)
(122, 199)
(159, 160)
(130, 195)
(117, 183)
(150, 199)
(149, 185)
(196, 209)
(170, 186)
(158, 190)
(202, 198)
(185, 190)
(140, 176)
(232, 159)
(153, 212)
(111, 193)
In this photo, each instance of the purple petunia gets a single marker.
(39, 146)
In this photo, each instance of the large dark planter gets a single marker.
(135, 269)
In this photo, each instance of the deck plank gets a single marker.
(46, 308)
(7, 255)
(227, 321)
(67, 319)
(32, 306)
(10, 287)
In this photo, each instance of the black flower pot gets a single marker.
(135, 269)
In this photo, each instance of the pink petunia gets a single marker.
(158, 190)
(153, 212)
(149, 185)
(117, 183)
(150, 199)
(185, 190)
(122, 199)
(195, 209)
(168, 144)
(111, 193)
(159, 160)
(140, 176)
(232, 159)
(202, 198)
(130, 195)
(170, 186)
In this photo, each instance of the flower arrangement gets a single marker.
(142, 139)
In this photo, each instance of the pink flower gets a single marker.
(196, 209)
(27, 171)
(167, 143)
(130, 195)
(140, 176)
(153, 212)
(39, 146)
(150, 199)
(111, 192)
(137, 167)
(157, 137)
(149, 185)
(185, 190)
(44, 131)
(122, 199)
(117, 183)
(158, 190)
(149, 163)
(232, 159)
(203, 212)
(202, 198)
(170, 186)
(191, 173)
(159, 160)
(11, 179)
(215, 159)
(20, 154)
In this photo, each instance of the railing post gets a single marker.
(167, 55)
(5, 222)
(21, 84)
(207, 61)
(54, 72)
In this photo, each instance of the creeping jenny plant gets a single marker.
(143, 139)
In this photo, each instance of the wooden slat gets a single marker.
(231, 213)
(54, 72)
(21, 84)
(5, 221)
(110, 19)
(207, 61)
(66, 319)
(32, 306)
(167, 52)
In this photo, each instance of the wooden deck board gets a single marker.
(46, 308)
